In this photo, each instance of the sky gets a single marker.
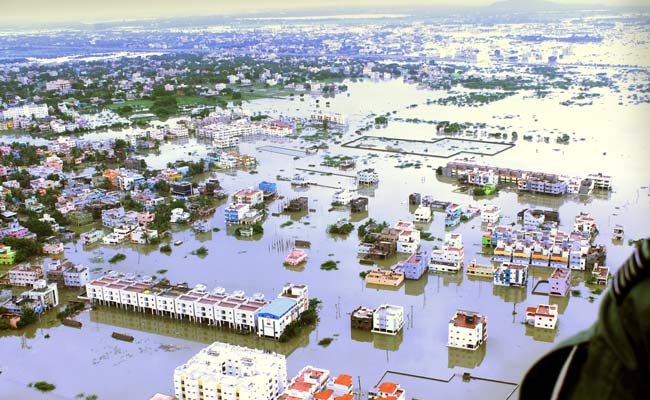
(54, 11)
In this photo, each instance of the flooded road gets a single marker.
(615, 143)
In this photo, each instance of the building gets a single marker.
(423, 214)
(179, 216)
(546, 184)
(542, 316)
(181, 189)
(297, 205)
(341, 386)
(25, 274)
(482, 178)
(467, 330)
(342, 196)
(483, 270)
(360, 204)
(67, 274)
(601, 274)
(559, 282)
(413, 267)
(384, 278)
(362, 318)
(490, 214)
(7, 255)
(54, 162)
(585, 224)
(215, 308)
(248, 196)
(53, 248)
(235, 213)
(59, 84)
(306, 384)
(408, 237)
(509, 274)
(451, 257)
(274, 317)
(388, 319)
(226, 372)
(268, 188)
(601, 181)
(91, 236)
(388, 391)
(618, 232)
(41, 297)
(295, 257)
(367, 176)
(37, 111)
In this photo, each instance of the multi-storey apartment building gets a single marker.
(388, 319)
(451, 257)
(226, 372)
(467, 330)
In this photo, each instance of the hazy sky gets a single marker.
(34, 11)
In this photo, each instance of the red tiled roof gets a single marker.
(324, 395)
(343, 380)
(388, 387)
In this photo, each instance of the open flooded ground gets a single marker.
(605, 137)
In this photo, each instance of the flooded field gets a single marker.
(615, 143)
(442, 148)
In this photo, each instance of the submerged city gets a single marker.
(394, 203)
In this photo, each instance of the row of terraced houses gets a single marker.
(215, 308)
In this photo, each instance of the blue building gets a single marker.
(273, 318)
(414, 267)
(270, 187)
(234, 213)
(511, 275)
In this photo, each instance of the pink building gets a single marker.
(295, 257)
(54, 162)
(559, 282)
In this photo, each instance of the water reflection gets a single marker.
(415, 287)
(380, 341)
(540, 334)
(466, 358)
(510, 294)
(561, 302)
(438, 278)
(193, 331)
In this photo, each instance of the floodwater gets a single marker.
(89, 361)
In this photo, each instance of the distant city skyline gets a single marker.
(23, 11)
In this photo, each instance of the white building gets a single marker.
(368, 176)
(490, 214)
(467, 330)
(601, 181)
(41, 297)
(543, 316)
(342, 196)
(28, 110)
(25, 274)
(388, 319)
(451, 257)
(408, 237)
(423, 214)
(509, 274)
(482, 178)
(179, 216)
(306, 384)
(76, 276)
(226, 372)
(274, 317)
(59, 84)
